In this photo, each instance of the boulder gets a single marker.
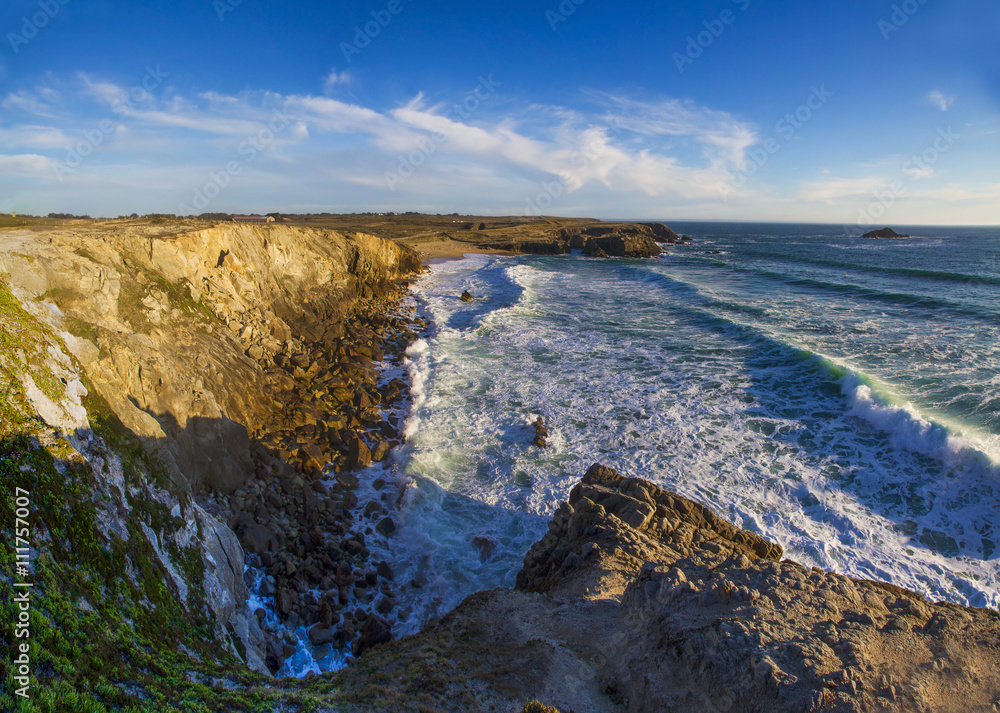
(386, 526)
(320, 635)
(358, 454)
(255, 538)
(375, 631)
(384, 570)
(348, 481)
(284, 600)
(274, 655)
(380, 452)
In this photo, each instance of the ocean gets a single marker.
(840, 396)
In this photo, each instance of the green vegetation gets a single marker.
(109, 631)
(22, 350)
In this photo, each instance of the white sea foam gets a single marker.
(417, 364)
(911, 431)
(679, 372)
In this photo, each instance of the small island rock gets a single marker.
(884, 233)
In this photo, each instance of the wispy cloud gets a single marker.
(335, 79)
(612, 153)
(835, 190)
(33, 136)
(31, 165)
(939, 100)
(918, 173)
(26, 102)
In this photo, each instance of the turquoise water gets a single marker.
(838, 395)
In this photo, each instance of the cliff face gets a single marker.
(138, 360)
(173, 328)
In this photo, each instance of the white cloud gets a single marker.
(840, 189)
(26, 102)
(918, 173)
(334, 79)
(31, 165)
(104, 92)
(613, 154)
(939, 100)
(35, 137)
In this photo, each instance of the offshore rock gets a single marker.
(884, 233)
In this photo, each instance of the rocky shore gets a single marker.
(299, 518)
(245, 361)
(640, 600)
(595, 239)
(202, 415)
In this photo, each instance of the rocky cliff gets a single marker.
(596, 239)
(145, 367)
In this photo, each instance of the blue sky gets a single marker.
(845, 112)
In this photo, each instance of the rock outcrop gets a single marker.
(641, 600)
(884, 233)
(622, 246)
(596, 239)
(176, 326)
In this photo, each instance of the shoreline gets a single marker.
(344, 610)
(440, 251)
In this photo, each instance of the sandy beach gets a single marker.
(447, 249)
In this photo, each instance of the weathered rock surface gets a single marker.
(173, 318)
(640, 600)
(613, 525)
(622, 246)
(243, 358)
